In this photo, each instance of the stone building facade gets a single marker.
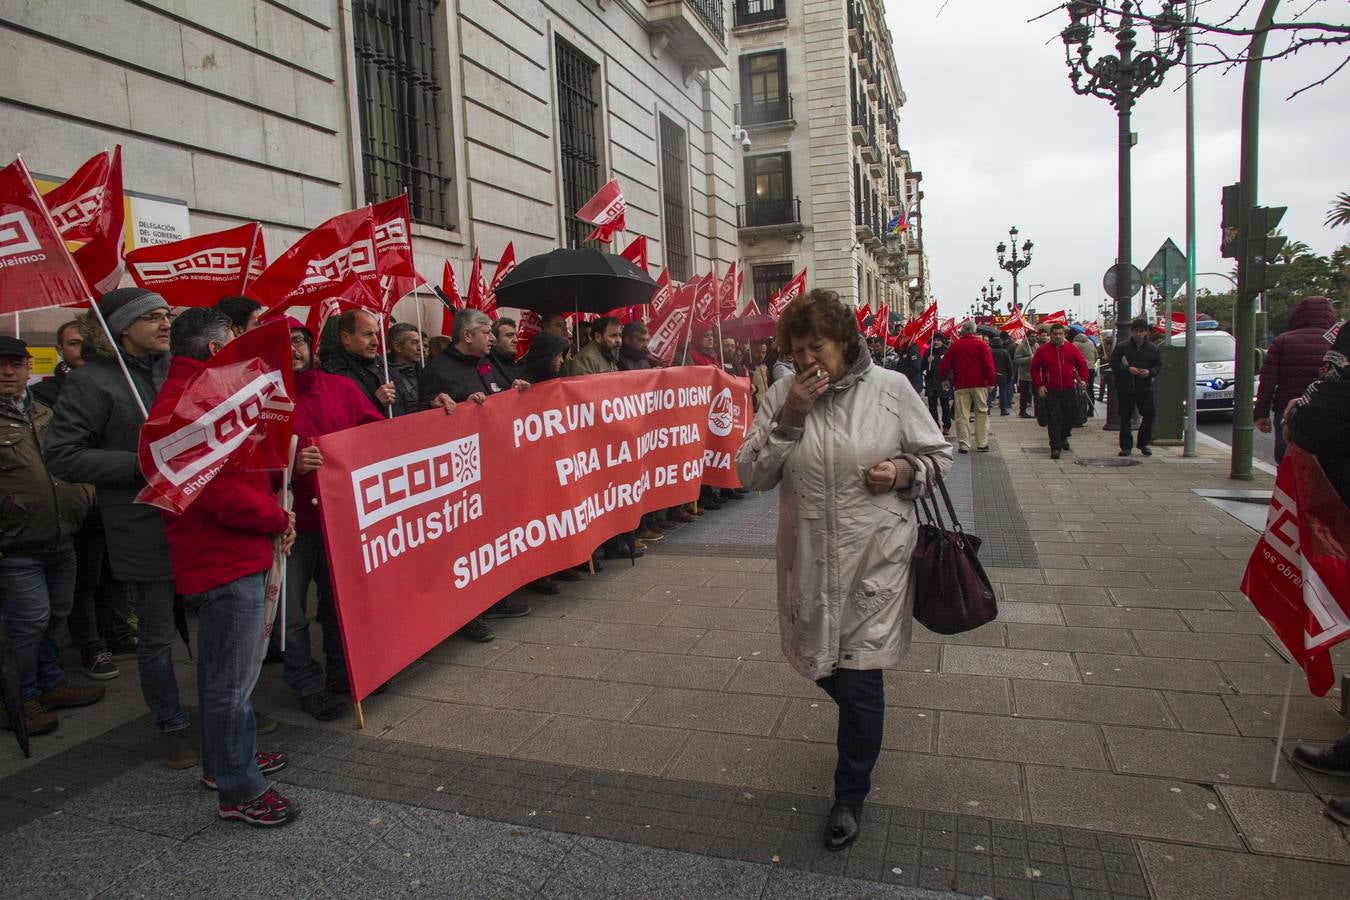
(823, 173)
(499, 116)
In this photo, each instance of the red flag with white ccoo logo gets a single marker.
(1058, 317)
(89, 209)
(504, 267)
(671, 309)
(1298, 577)
(705, 301)
(198, 271)
(36, 270)
(729, 295)
(861, 313)
(1179, 322)
(791, 291)
(327, 262)
(606, 211)
(881, 323)
(1016, 325)
(237, 411)
(636, 252)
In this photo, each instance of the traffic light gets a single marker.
(1263, 250)
(1229, 224)
(1077, 289)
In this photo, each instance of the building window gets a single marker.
(579, 138)
(401, 104)
(674, 164)
(769, 280)
(768, 184)
(764, 96)
(753, 12)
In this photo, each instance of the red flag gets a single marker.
(751, 308)
(451, 292)
(861, 313)
(477, 286)
(529, 325)
(705, 301)
(881, 323)
(729, 295)
(36, 270)
(1298, 577)
(670, 313)
(237, 411)
(1059, 317)
(89, 208)
(337, 256)
(605, 211)
(791, 291)
(504, 267)
(198, 271)
(1017, 324)
(394, 253)
(636, 252)
(1093, 329)
(1179, 322)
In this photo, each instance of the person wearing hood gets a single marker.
(324, 403)
(221, 549)
(850, 446)
(357, 357)
(93, 439)
(544, 360)
(463, 372)
(1292, 363)
(405, 365)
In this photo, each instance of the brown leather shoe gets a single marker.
(68, 695)
(178, 749)
(680, 516)
(35, 718)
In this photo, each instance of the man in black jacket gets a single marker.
(358, 358)
(503, 352)
(938, 391)
(93, 439)
(1136, 363)
(1003, 372)
(405, 365)
(463, 370)
(633, 355)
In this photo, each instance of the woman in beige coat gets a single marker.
(850, 445)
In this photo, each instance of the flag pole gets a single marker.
(417, 300)
(384, 329)
(248, 263)
(287, 503)
(16, 326)
(1284, 717)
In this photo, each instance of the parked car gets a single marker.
(1215, 370)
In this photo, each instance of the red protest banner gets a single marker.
(36, 270)
(236, 411)
(1298, 577)
(198, 271)
(606, 210)
(429, 520)
(89, 208)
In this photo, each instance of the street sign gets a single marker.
(1166, 271)
(1122, 281)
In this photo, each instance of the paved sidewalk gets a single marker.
(1110, 735)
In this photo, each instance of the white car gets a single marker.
(1215, 369)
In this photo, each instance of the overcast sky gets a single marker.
(1002, 140)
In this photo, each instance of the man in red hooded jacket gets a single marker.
(324, 403)
(220, 549)
(1293, 362)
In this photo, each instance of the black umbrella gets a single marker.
(9, 693)
(581, 280)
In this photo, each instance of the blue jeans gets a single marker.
(153, 601)
(229, 655)
(307, 563)
(38, 590)
(1005, 392)
(860, 696)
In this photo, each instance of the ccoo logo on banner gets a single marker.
(17, 238)
(358, 258)
(218, 264)
(80, 210)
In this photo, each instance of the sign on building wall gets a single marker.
(149, 219)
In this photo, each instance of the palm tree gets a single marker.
(1339, 212)
(1292, 250)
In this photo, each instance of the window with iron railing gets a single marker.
(768, 181)
(402, 106)
(755, 12)
(764, 96)
(769, 280)
(579, 137)
(674, 165)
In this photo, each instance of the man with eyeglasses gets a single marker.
(92, 439)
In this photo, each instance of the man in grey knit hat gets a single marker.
(93, 439)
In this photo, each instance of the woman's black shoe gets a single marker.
(841, 828)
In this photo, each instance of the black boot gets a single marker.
(841, 828)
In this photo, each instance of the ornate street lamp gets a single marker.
(1121, 79)
(1014, 264)
(990, 298)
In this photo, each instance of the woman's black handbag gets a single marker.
(952, 592)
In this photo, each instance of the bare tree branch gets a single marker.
(1333, 73)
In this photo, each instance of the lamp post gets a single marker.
(1121, 79)
(1013, 264)
(990, 298)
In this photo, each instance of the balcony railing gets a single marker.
(693, 31)
(757, 12)
(762, 213)
(751, 114)
(713, 15)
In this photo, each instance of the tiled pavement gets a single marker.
(1110, 735)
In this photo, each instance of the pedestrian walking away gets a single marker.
(970, 367)
(843, 434)
(1057, 370)
(1291, 364)
(1136, 364)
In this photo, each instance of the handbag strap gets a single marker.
(947, 498)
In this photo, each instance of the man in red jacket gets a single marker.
(1056, 370)
(220, 549)
(969, 365)
(1292, 363)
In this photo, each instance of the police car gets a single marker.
(1215, 366)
